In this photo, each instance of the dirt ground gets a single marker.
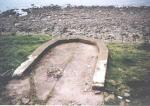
(62, 77)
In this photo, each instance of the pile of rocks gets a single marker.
(54, 72)
(108, 23)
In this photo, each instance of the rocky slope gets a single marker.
(108, 23)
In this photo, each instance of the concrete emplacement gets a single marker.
(77, 49)
(101, 65)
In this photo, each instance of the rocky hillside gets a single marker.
(108, 23)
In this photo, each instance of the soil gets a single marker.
(62, 77)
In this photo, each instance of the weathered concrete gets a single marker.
(61, 72)
(100, 68)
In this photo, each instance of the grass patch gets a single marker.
(129, 71)
(15, 49)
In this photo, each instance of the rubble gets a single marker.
(120, 97)
(127, 100)
(54, 72)
(124, 24)
(98, 92)
(25, 100)
(126, 94)
(110, 97)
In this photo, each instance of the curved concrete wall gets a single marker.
(100, 67)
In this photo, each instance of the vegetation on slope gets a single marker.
(129, 71)
(15, 49)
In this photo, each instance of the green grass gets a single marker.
(15, 49)
(129, 71)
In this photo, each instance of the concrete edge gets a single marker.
(100, 68)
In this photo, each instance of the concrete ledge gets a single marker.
(100, 68)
